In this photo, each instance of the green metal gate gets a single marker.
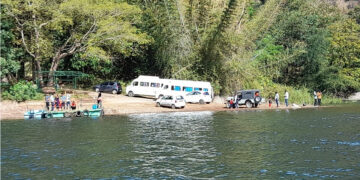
(63, 76)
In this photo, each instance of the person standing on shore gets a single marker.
(57, 102)
(315, 99)
(319, 96)
(277, 97)
(68, 100)
(47, 102)
(99, 101)
(286, 96)
(63, 101)
(52, 101)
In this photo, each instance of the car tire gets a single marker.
(97, 90)
(158, 104)
(248, 104)
(173, 106)
(114, 91)
(201, 101)
(257, 99)
(182, 107)
(131, 94)
(207, 102)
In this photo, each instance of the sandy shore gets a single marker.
(120, 105)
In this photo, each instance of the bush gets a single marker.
(22, 91)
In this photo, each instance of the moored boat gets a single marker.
(40, 114)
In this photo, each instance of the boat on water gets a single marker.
(41, 114)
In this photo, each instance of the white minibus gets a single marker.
(144, 86)
(183, 87)
(156, 87)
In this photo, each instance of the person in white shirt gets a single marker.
(277, 97)
(315, 99)
(286, 96)
(68, 98)
(52, 101)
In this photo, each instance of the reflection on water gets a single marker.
(290, 144)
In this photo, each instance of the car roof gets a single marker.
(252, 90)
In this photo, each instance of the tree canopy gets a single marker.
(232, 43)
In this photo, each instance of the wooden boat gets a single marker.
(39, 114)
(35, 114)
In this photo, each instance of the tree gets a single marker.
(9, 51)
(52, 29)
(344, 59)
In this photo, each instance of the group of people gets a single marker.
(277, 99)
(317, 98)
(61, 102)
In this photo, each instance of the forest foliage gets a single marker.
(234, 44)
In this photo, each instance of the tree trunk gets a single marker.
(39, 74)
(53, 68)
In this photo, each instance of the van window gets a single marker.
(105, 83)
(176, 88)
(144, 84)
(135, 83)
(187, 89)
(198, 89)
(206, 89)
(112, 83)
(166, 87)
(153, 85)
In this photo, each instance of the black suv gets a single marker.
(113, 87)
(250, 98)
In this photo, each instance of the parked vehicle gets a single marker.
(250, 98)
(153, 86)
(198, 97)
(144, 86)
(183, 87)
(173, 101)
(113, 87)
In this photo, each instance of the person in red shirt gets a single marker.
(73, 105)
(231, 103)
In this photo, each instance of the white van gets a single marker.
(183, 87)
(144, 86)
(156, 87)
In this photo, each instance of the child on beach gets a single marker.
(231, 103)
(73, 105)
(270, 102)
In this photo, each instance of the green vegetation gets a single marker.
(272, 45)
(22, 91)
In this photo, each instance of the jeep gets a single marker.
(250, 98)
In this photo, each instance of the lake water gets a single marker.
(291, 144)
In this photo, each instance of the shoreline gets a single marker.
(11, 110)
